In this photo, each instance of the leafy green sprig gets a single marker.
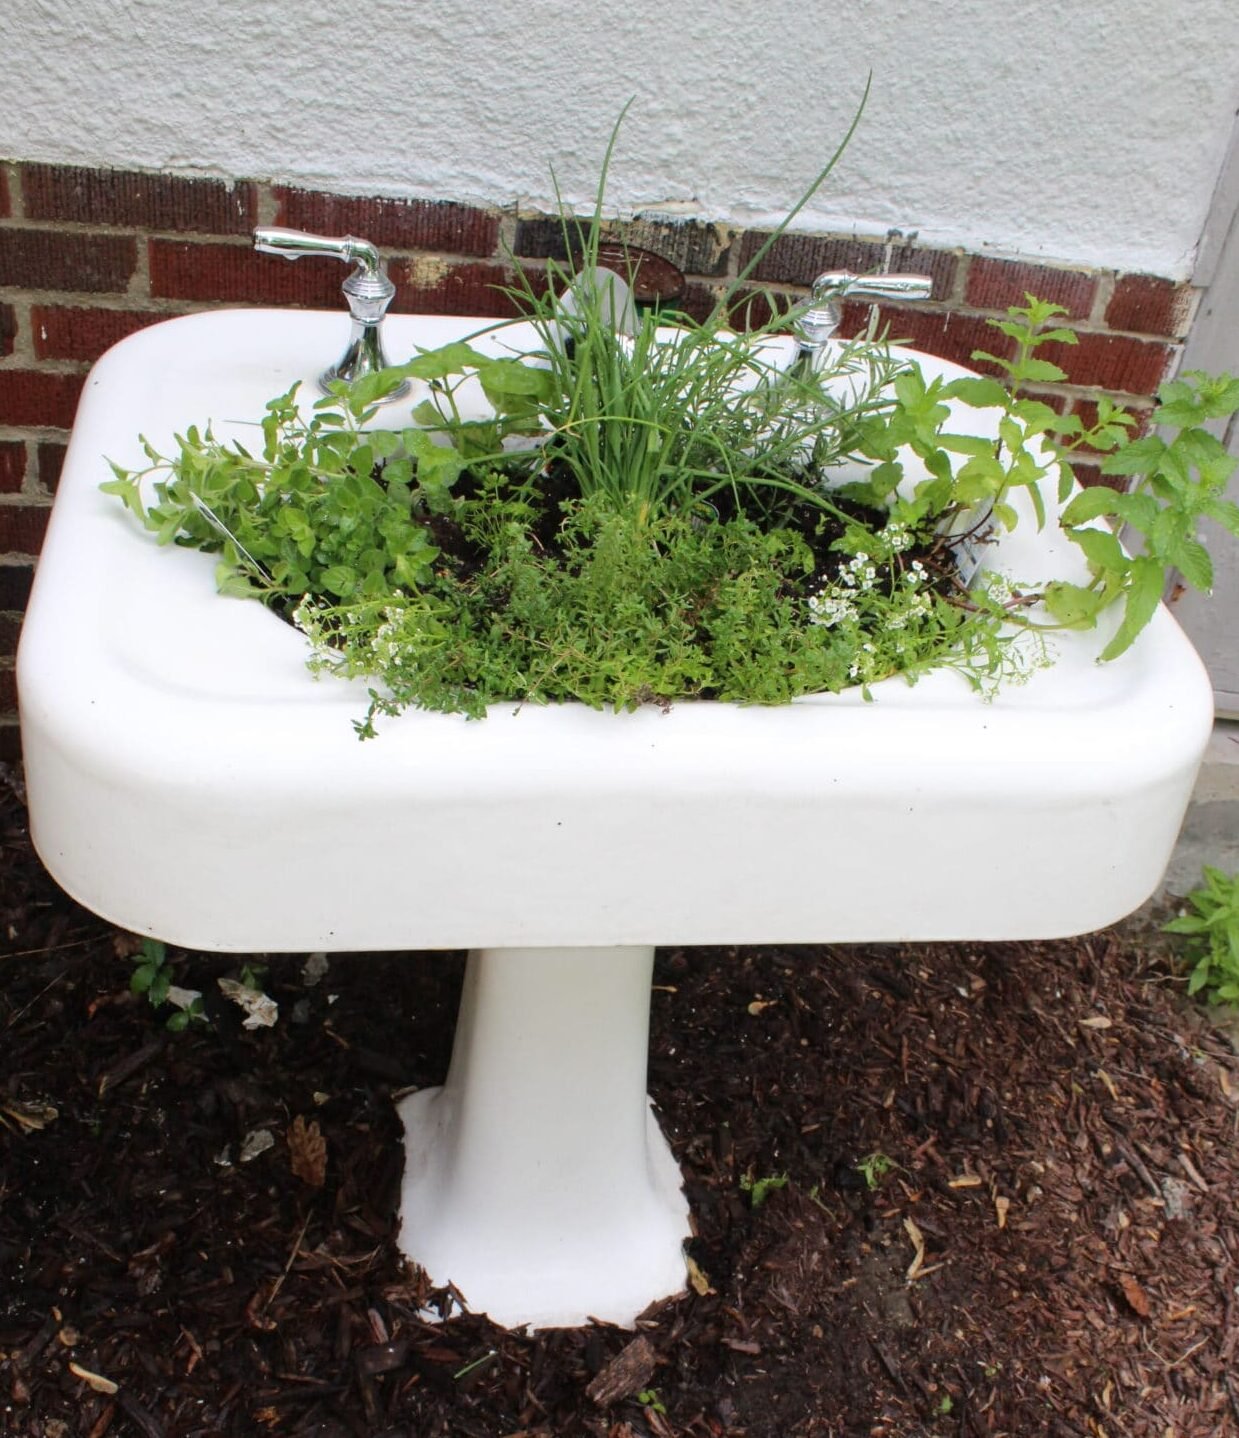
(309, 512)
(1211, 928)
(1176, 476)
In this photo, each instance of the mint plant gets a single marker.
(1211, 929)
(1173, 482)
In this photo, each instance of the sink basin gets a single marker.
(187, 779)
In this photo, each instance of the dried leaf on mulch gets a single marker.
(307, 1152)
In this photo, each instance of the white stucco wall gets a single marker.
(1082, 130)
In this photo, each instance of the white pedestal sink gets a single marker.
(188, 780)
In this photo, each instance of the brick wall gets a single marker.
(88, 256)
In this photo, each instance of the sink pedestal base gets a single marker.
(536, 1179)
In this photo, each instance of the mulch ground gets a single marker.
(1010, 1200)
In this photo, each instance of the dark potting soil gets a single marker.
(1009, 1209)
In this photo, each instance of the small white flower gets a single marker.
(829, 610)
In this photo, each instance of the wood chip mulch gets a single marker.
(1010, 1205)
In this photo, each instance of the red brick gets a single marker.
(750, 308)
(5, 208)
(51, 460)
(947, 335)
(140, 201)
(428, 286)
(77, 333)
(8, 329)
(699, 300)
(12, 464)
(1147, 305)
(1114, 363)
(8, 691)
(693, 248)
(182, 270)
(22, 527)
(15, 582)
(400, 224)
(799, 259)
(32, 397)
(66, 260)
(1090, 475)
(997, 284)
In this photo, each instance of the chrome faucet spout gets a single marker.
(294, 244)
(368, 291)
(819, 321)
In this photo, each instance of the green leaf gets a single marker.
(1224, 511)
(127, 489)
(967, 444)
(1039, 371)
(1102, 549)
(979, 392)
(1072, 605)
(1141, 456)
(233, 582)
(1186, 924)
(1191, 559)
(1146, 581)
(1168, 530)
(447, 360)
(1199, 977)
(1138, 510)
(983, 356)
(1090, 504)
(426, 414)
(1021, 333)
(1005, 515)
(1037, 417)
(340, 580)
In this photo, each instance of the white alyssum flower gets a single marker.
(896, 537)
(859, 573)
(830, 609)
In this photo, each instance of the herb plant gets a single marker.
(1211, 929)
(760, 1189)
(152, 976)
(873, 1168)
(644, 511)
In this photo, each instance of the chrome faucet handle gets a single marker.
(368, 291)
(822, 318)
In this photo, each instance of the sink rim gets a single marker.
(115, 719)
